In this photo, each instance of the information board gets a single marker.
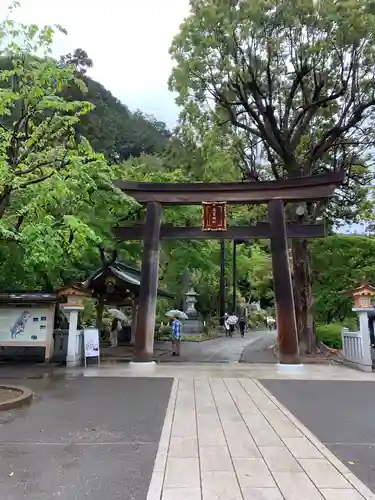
(91, 341)
(26, 324)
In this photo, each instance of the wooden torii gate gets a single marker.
(275, 193)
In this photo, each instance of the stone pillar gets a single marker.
(284, 300)
(72, 355)
(144, 336)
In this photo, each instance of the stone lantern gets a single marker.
(191, 300)
(74, 305)
(192, 325)
(356, 345)
(362, 296)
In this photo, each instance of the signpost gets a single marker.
(92, 345)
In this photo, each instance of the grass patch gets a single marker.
(195, 338)
(192, 338)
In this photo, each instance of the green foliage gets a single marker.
(339, 264)
(330, 335)
(259, 272)
(257, 319)
(57, 199)
(112, 128)
(286, 87)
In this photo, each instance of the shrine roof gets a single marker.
(129, 277)
(22, 297)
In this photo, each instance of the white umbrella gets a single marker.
(118, 314)
(232, 320)
(175, 313)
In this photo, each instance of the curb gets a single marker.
(23, 399)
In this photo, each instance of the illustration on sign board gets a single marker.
(19, 326)
(91, 347)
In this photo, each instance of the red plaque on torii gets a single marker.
(214, 216)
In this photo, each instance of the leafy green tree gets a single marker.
(57, 199)
(37, 134)
(79, 60)
(290, 86)
(339, 264)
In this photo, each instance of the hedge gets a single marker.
(330, 335)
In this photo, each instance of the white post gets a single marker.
(72, 355)
(365, 332)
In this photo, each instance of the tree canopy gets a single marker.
(340, 263)
(57, 196)
(290, 85)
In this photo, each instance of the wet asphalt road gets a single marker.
(93, 438)
(340, 413)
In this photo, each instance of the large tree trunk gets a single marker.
(303, 296)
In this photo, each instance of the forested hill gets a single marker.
(113, 129)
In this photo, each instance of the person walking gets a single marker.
(226, 325)
(176, 337)
(270, 323)
(242, 325)
(116, 327)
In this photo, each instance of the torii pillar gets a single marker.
(145, 329)
(285, 311)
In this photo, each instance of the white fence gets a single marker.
(356, 350)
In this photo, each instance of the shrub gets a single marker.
(257, 319)
(165, 331)
(351, 324)
(330, 335)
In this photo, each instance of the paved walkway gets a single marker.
(230, 439)
(219, 350)
(261, 350)
(182, 432)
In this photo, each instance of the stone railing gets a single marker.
(355, 351)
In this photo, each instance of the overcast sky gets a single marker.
(127, 40)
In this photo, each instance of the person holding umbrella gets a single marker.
(176, 336)
(226, 325)
(176, 315)
(116, 326)
(232, 320)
